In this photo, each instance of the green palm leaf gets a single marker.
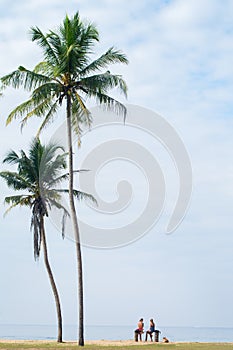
(15, 181)
(104, 82)
(15, 201)
(80, 195)
(25, 78)
(43, 41)
(112, 56)
(108, 103)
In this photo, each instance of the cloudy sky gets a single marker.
(180, 55)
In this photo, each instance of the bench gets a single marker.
(156, 337)
(137, 334)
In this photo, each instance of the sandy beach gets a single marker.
(100, 344)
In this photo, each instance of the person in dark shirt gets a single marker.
(150, 330)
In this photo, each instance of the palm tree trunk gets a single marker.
(75, 226)
(52, 282)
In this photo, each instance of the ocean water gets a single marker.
(40, 332)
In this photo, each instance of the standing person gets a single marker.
(140, 329)
(150, 330)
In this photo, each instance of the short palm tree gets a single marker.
(67, 75)
(38, 175)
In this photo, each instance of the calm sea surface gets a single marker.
(39, 332)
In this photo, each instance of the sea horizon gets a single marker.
(114, 332)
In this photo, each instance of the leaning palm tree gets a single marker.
(38, 175)
(68, 75)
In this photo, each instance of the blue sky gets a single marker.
(180, 56)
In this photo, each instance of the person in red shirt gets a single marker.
(140, 329)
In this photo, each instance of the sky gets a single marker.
(180, 55)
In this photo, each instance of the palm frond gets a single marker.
(76, 119)
(80, 195)
(109, 104)
(50, 156)
(20, 110)
(80, 112)
(15, 180)
(20, 200)
(111, 56)
(45, 91)
(104, 82)
(56, 44)
(48, 119)
(58, 180)
(89, 35)
(64, 177)
(46, 107)
(49, 172)
(65, 214)
(43, 68)
(24, 166)
(27, 170)
(25, 78)
(11, 158)
(77, 40)
(43, 164)
(43, 41)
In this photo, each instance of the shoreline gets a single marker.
(105, 342)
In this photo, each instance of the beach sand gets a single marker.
(87, 342)
(6, 344)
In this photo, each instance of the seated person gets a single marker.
(151, 329)
(140, 328)
(165, 340)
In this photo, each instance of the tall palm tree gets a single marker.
(38, 175)
(68, 75)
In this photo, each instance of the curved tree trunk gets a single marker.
(52, 282)
(75, 226)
